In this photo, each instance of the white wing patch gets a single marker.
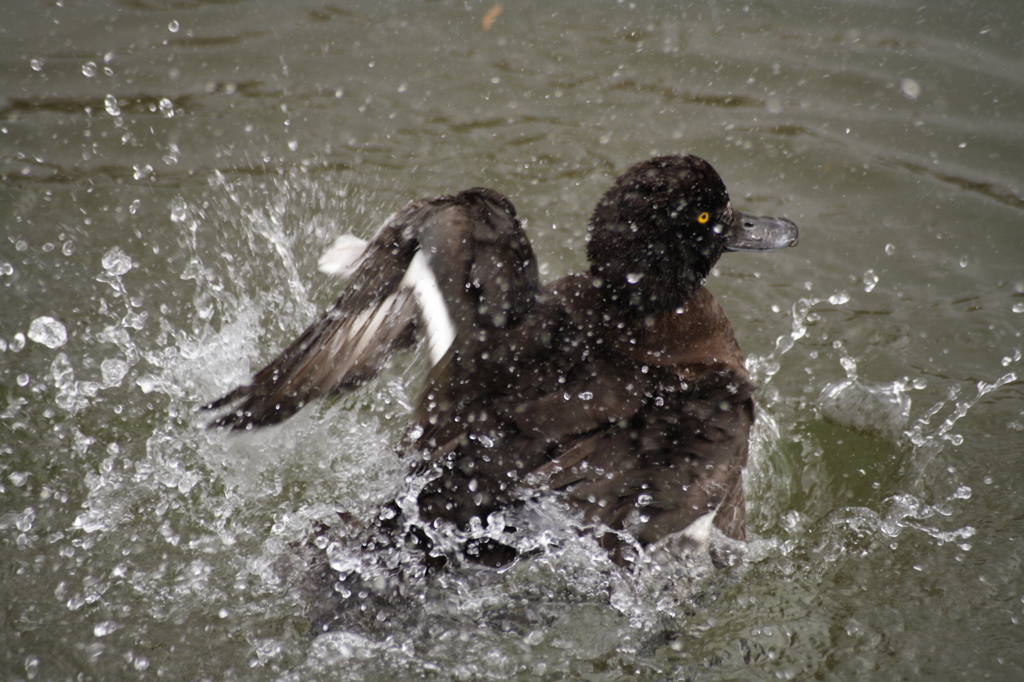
(343, 256)
(440, 330)
(341, 260)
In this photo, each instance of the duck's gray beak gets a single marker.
(753, 233)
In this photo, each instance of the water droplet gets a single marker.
(23, 380)
(110, 104)
(774, 105)
(18, 342)
(89, 69)
(910, 88)
(535, 637)
(890, 249)
(179, 210)
(116, 262)
(62, 372)
(963, 492)
(67, 248)
(634, 277)
(113, 371)
(148, 384)
(1018, 308)
(293, 145)
(48, 331)
(104, 628)
(25, 520)
(963, 261)
(173, 27)
(36, 64)
(870, 280)
(839, 298)
(586, 395)
(166, 107)
(134, 208)
(142, 171)
(850, 365)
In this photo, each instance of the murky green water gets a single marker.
(172, 171)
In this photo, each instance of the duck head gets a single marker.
(662, 226)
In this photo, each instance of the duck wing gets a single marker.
(444, 266)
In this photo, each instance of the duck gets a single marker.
(621, 390)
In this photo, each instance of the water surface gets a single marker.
(171, 173)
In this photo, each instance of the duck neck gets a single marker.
(638, 301)
(693, 337)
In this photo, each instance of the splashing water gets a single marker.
(930, 442)
(885, 408)
(207, 527)
(48, 331)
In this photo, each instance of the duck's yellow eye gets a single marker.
(703, 217)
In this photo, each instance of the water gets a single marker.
(171, 175)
